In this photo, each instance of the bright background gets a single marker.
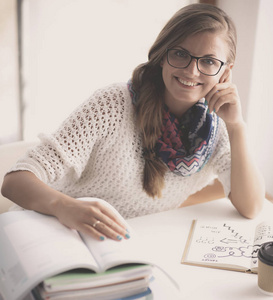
(72, 47)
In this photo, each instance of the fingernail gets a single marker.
(206, 102)
(119, 237)
(127, 235)
(208, 110)
(102, 238)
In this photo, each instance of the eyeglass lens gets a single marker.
(181, 59)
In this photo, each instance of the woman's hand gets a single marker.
(29, 192)
(92, 218)
(224, 99)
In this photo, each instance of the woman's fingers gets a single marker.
(219, 95)
(89, 230)
(113, 220)
(227, 76)
(108, 220)
(108, 228)
(105, 222)
(100, 231)
(107, 231)
(93, 218)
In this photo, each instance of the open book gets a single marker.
(226, 245)
(35, 247)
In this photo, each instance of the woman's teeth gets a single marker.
(188, 83)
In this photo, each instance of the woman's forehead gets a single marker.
(205, 44)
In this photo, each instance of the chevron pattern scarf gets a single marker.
(186, 144)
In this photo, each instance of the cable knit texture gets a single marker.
(97, 152)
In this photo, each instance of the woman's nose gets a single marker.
(192, 68)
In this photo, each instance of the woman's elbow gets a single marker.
(254, 210)
(14, 183)
(6, 186)
(251, 208)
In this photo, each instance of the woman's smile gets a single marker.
(187, 83)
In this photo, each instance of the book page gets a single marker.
(35, 246)
(263, 234)
(221, 244)
(110, 253)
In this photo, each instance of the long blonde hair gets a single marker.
(148, 83)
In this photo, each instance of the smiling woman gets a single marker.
(146, 145)
(183, 78)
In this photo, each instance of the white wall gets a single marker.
(260, 110)
(72, 47)
(9, 89)
(253, 75)
(245, 16)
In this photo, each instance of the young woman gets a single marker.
(146, 145)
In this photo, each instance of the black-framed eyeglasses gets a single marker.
(206, 65)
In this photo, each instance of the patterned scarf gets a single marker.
(186, 144)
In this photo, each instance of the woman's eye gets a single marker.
(181, 54)
(208, 61)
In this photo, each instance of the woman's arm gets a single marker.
(247, 185)
(26, 190)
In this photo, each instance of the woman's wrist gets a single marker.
(238, 128)
(58, 203)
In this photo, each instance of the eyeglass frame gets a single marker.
(197, 59)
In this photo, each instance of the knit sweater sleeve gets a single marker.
(67, 151)
(221, 159)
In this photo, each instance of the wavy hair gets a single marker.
(148, 83)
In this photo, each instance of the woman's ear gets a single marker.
(227, 75)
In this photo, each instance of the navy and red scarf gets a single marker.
(186, 144)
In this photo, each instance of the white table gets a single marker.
(165, 234)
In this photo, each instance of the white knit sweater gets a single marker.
(97, 152)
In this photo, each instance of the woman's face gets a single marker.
(184, 87)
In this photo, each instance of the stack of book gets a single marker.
(125, 282)
(42, 257)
